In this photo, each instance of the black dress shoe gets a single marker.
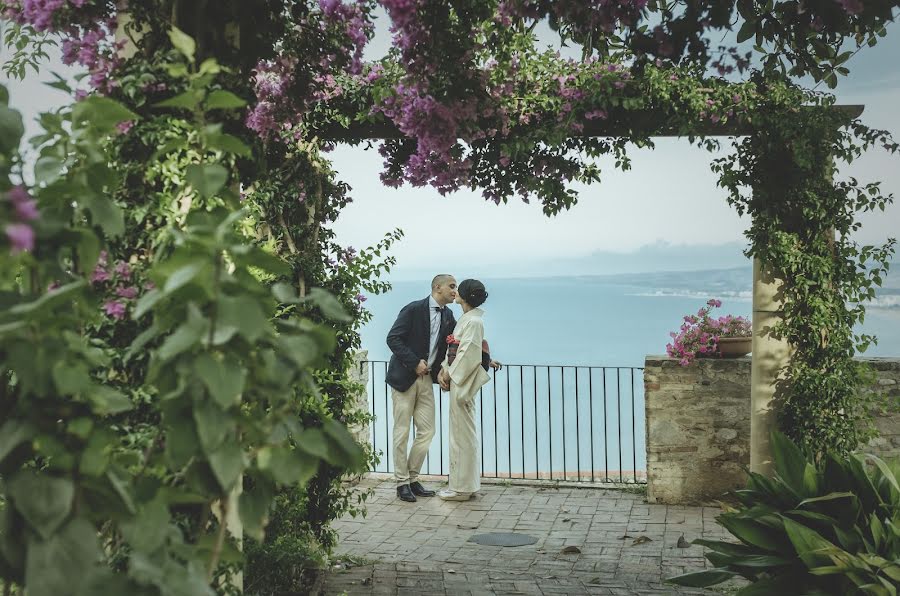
(406, 494)
(420, 491)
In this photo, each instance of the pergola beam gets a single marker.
(618, 124)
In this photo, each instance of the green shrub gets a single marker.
(814, 528)
(284, 561)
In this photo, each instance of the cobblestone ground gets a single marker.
(589, 541)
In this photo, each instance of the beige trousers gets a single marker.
(465, 477)
(416, 403)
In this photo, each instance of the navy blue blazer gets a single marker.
(408, 340)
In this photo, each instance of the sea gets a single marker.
(568, 403)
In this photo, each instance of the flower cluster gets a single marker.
(353, 21)
(87, 31)
(271, 79)
(117, 281)
(20, 212)
(699, 334)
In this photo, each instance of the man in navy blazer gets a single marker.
(418, 344)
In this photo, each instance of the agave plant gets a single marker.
(827, 527)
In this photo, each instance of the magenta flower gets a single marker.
(129, 292)
(99, 275)
(27, 210)
(114, 309)
(123, 270)
(20, 236)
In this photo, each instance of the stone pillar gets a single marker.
(360, 374)
(770, 357)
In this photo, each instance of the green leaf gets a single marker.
(224, 100)
(146, 302)
(182, 441)
(249, 255)
(62, 295)
(183, 275)
(11, 129)
(95, 457)
(790, 463)
(224, 379)
(285, 293)
(88, 249)
(702, 579)
(43, 500)
(12, 434)
(809, 544)
(183, 42)
(105, 213)
(254, 505)
(886, 472)
(47, 169)
(61, 563)
(752, 532)
(213, 425)
(187, 335)
(228, 144)
(747, 30)
(227, 463)
(346, 445)
(70, 379)
(101, 113)
(207, 179)
(189, 100)
(148, 530)
(288, 466)
(244, 314)
(301, 349)
(107, 400)
(329, 305)
(828, 497)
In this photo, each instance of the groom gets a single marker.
(418, 343)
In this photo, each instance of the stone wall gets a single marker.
(698, 425)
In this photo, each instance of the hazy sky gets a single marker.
(669, 197)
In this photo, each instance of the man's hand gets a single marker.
(422, 368)
(444, 380)
(495, 364)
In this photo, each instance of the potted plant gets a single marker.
(701, 336)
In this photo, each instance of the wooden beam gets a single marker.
(620, 124)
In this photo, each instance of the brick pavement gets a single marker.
(622, 545)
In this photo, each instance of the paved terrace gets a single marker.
(589, 541)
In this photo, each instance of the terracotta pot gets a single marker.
(735, 347)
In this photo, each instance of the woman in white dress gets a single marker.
(464, 377)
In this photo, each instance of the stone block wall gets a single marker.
(698, 425)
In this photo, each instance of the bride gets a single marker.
(463, 374)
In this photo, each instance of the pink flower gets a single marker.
(129, 292)
(24, 205)
(20, 236)
(27, 210)
(114, 309)
(100, 274)
(124, 127)
(123, 270)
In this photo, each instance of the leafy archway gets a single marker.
(214, 220)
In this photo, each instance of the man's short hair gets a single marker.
(439, 279)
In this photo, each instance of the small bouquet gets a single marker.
(453, 347)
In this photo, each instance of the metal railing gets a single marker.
(538, 422)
